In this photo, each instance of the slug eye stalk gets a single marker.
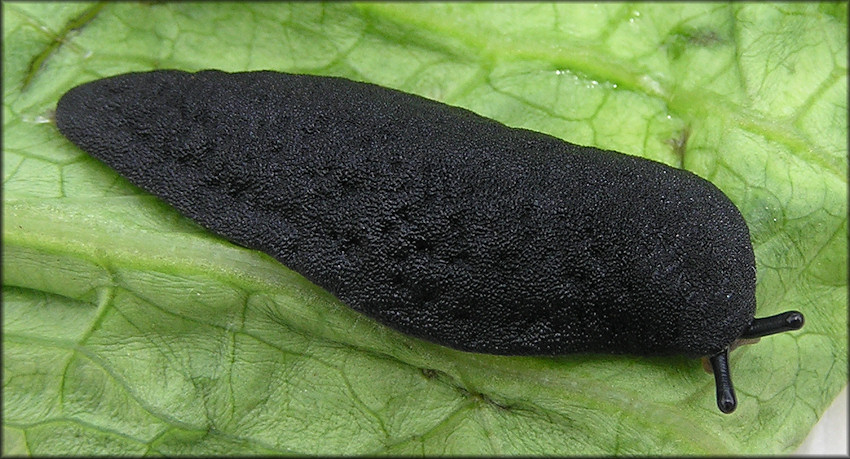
(783, 322)
(726, 400)
(786, 321)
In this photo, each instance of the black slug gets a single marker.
(436, 221)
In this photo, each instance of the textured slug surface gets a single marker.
(429, 218)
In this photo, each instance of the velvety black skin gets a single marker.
(429, 218)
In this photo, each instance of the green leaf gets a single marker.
(127, 329)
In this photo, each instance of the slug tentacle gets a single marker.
(764, 326)
(726, 400)
(783, 322)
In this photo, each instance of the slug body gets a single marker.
(431, 219)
